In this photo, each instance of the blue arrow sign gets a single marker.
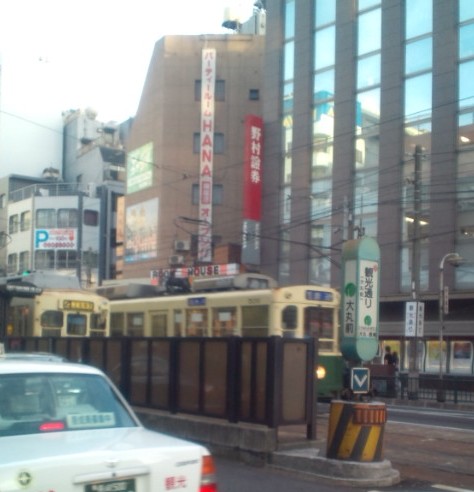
(360, 379)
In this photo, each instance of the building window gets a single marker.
(12, 263)
(67, 217)
(218, 143)
(254, 95)
(44, 259)
(45, 218)
(25, 221)
(66, 259)
(24, 261)
(91, 218)
(2, 200)
(219, 90)
(13, 224)
(217, 194)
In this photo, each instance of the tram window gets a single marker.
(289, 318)
(158, 325)
(255, 321)
(178, 323)
(116, 324)
(76, 324)
(196, 322)
(52, 319)
(98, 322)
(135, 325)
(223, 322)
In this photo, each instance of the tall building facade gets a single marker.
(185, 165)
(369, 131)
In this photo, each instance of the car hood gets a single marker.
(70, 461)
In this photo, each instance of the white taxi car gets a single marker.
(65, 427)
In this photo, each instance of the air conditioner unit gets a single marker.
(181, 245)
(176, 260)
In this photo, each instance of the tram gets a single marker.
(246, 305)
(60, 308)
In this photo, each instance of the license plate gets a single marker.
(125, 485)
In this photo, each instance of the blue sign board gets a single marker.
(360, 380)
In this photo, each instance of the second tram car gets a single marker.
(292, 311)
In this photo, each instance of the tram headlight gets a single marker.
(320, 372)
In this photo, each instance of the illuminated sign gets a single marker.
(74, 305)
(158, 277)
(55, 239)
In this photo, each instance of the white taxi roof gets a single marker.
(18, 365)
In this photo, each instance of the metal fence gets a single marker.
(450, 389)
(267, 381)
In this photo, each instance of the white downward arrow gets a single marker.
(360, 381)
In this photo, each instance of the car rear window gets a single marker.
(34, 403)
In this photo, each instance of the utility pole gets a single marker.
(415, 271)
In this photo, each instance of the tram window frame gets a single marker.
(199, 325)
(178, 317)
(289, 318)
(226, 316)
(255, 330)
(52, 318)
(116, 324)
(74, 328)
(135, 324)
(159, 323)
(98, 322)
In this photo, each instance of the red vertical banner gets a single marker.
(252, 189)
(253, 154)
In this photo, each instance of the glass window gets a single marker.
(254, 95)
(116, 324)
(368, 71)
(369, 32)
(159, 323)
(466, 10)
(218, 143)
(24, 261)
(66, 259)
(368, 110)
(324, 48)
(325, 12)
(289, 61)
(324, 85)
(196, 322)
(466, 87)
(419, 18)
(466, 41)
(44, 259)
(255, 321)
(289, 318)
(288, 97)
(290, 19)
(52, 319)
(219, 90)
(365, 4)
(13, 224)
(418, 97)
(466, 128)
(98, 321)
(67, 217)
(25, 221)
(45, 218)
(224, 322)
(91, 218)
(3, 200)
(135, 325)
(12, 263)
(418, 55)
(217, 194)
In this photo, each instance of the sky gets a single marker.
(57, 55)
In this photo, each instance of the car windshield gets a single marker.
(35, 403)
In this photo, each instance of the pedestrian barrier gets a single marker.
(355, 431)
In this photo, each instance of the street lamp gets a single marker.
(453, 258)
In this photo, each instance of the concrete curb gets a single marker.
(258, 445)
(352, 473)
